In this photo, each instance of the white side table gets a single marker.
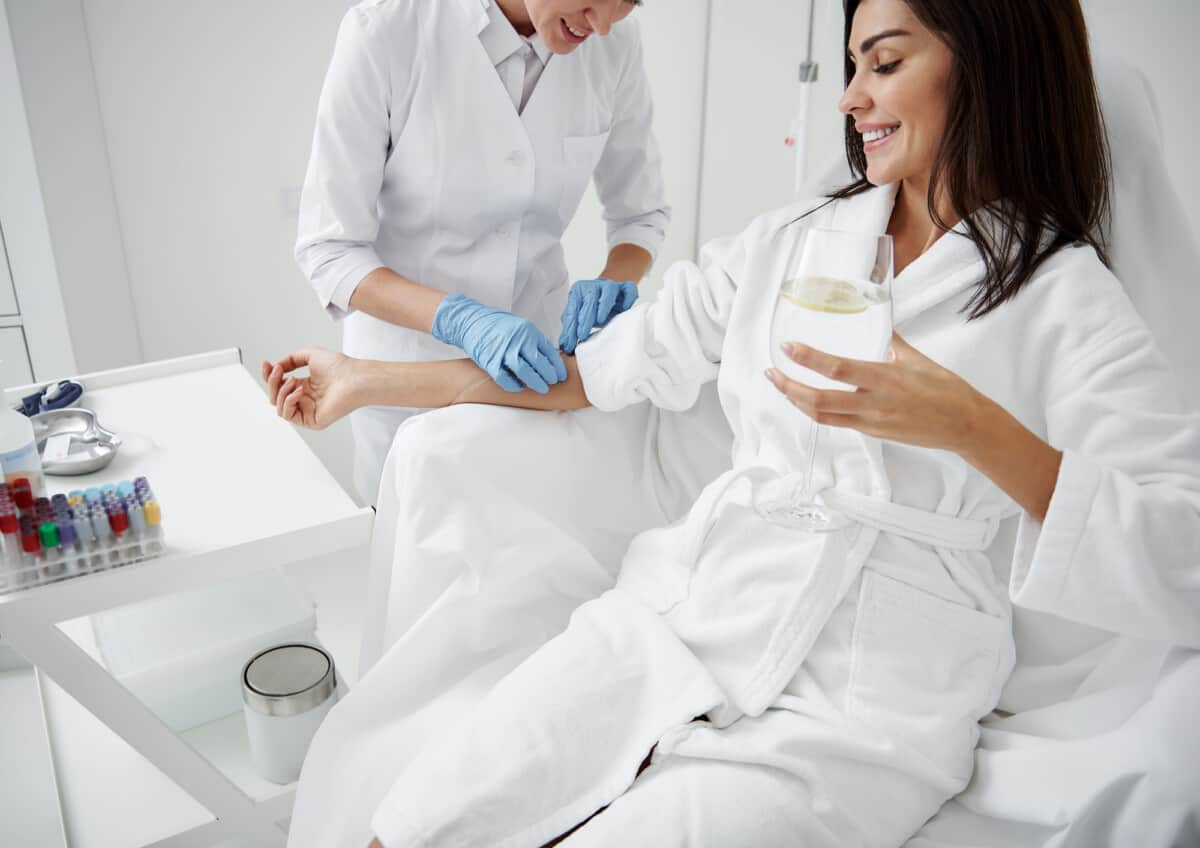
(240, 492)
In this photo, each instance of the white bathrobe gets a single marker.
(844, 674)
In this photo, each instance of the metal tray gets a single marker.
(92, 447)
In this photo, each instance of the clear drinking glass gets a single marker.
(835, 296)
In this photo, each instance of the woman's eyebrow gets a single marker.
(875, 39)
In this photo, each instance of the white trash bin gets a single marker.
(286, 692)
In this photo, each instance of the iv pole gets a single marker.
(797, 137)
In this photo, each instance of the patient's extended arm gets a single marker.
(337, 384)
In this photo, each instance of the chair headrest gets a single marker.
(1152, 247)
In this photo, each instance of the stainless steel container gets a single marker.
(286, 692)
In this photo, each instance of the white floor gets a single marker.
(111, 796)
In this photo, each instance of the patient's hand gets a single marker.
(329, 392)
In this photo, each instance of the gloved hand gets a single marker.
(510, 349)
(591, 304)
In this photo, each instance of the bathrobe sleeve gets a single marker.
(338, 218)
(1120, 545)
(665, 350)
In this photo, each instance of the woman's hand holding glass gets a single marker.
(834, 292)
(908, 399)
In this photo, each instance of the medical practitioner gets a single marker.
(748, 684)
(454, 140)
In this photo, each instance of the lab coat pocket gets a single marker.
(580, 156)
(923, 670)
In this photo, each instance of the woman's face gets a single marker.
(899, 93)
(565, 24)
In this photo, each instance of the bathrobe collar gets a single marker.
(950, 266)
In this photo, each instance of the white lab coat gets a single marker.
(421, 163)
(850, 668)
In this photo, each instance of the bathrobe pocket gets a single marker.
(923, 670)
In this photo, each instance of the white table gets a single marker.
(240, 492)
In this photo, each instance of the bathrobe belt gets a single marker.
(920, 525)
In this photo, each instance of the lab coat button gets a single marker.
(516, 158)
(503, 232)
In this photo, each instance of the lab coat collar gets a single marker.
(498, 36)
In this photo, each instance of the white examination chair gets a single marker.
(1119, 764)
(481, 507)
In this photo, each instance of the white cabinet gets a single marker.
(8, 294)
(14, 358)
(30, 299)
(15, 369)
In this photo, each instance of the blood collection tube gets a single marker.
(22, 493)
(153, 516)
(92, 495)
(85, 539)
(103, 533)
(10, 528)
(51, 548)
(118, 520)
(137, 522)
(31, 548)
(68, 545)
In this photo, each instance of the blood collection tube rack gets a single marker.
(44, 540)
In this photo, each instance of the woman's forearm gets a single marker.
(1013, 457)
(431, 385)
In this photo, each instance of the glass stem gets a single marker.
(806, 493)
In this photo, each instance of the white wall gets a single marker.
(208, 110)
(65, 124)
(1159, 38)
(755, 50)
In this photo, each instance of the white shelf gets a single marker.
(224, 744)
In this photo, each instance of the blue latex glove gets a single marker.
(510, 349)
(591, 304)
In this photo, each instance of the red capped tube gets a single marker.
(118, 521)
(22, 493)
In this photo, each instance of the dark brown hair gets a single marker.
(1024, 135)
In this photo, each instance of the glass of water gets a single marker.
(835, 295)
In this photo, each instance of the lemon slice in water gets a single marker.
(824, 294)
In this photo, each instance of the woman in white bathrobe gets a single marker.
(749, 684)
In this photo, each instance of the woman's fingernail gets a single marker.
(771, 375)
(789, 348)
